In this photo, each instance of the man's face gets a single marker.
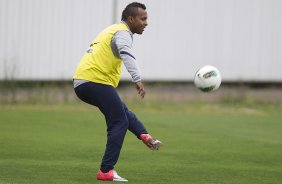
(138, 22)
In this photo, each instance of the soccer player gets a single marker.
(97, 76)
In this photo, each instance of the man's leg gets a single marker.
(107, 100)
(138, 129)
(135, 125)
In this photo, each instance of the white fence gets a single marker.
(44, 39)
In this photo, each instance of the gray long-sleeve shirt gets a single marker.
(121, 46)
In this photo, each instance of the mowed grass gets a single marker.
(203, 144)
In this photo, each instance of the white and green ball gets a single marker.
(207, 78)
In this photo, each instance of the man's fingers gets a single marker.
(140, 88)
(142, 93)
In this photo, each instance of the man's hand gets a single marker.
(140, 88)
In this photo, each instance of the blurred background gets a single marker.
(229, 136)
(41, 43)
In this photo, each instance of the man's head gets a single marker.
(135, 16)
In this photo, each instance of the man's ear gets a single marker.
(130, 19)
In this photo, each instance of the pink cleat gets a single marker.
(110, 176)
(150, 142)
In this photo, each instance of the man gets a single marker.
(97, 76)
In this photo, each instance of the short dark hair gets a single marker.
(131, 10)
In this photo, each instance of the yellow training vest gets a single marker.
(99, 64)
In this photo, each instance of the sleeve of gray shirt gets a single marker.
(121, 45)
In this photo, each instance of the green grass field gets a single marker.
(203, 144)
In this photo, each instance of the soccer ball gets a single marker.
(207, 79)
